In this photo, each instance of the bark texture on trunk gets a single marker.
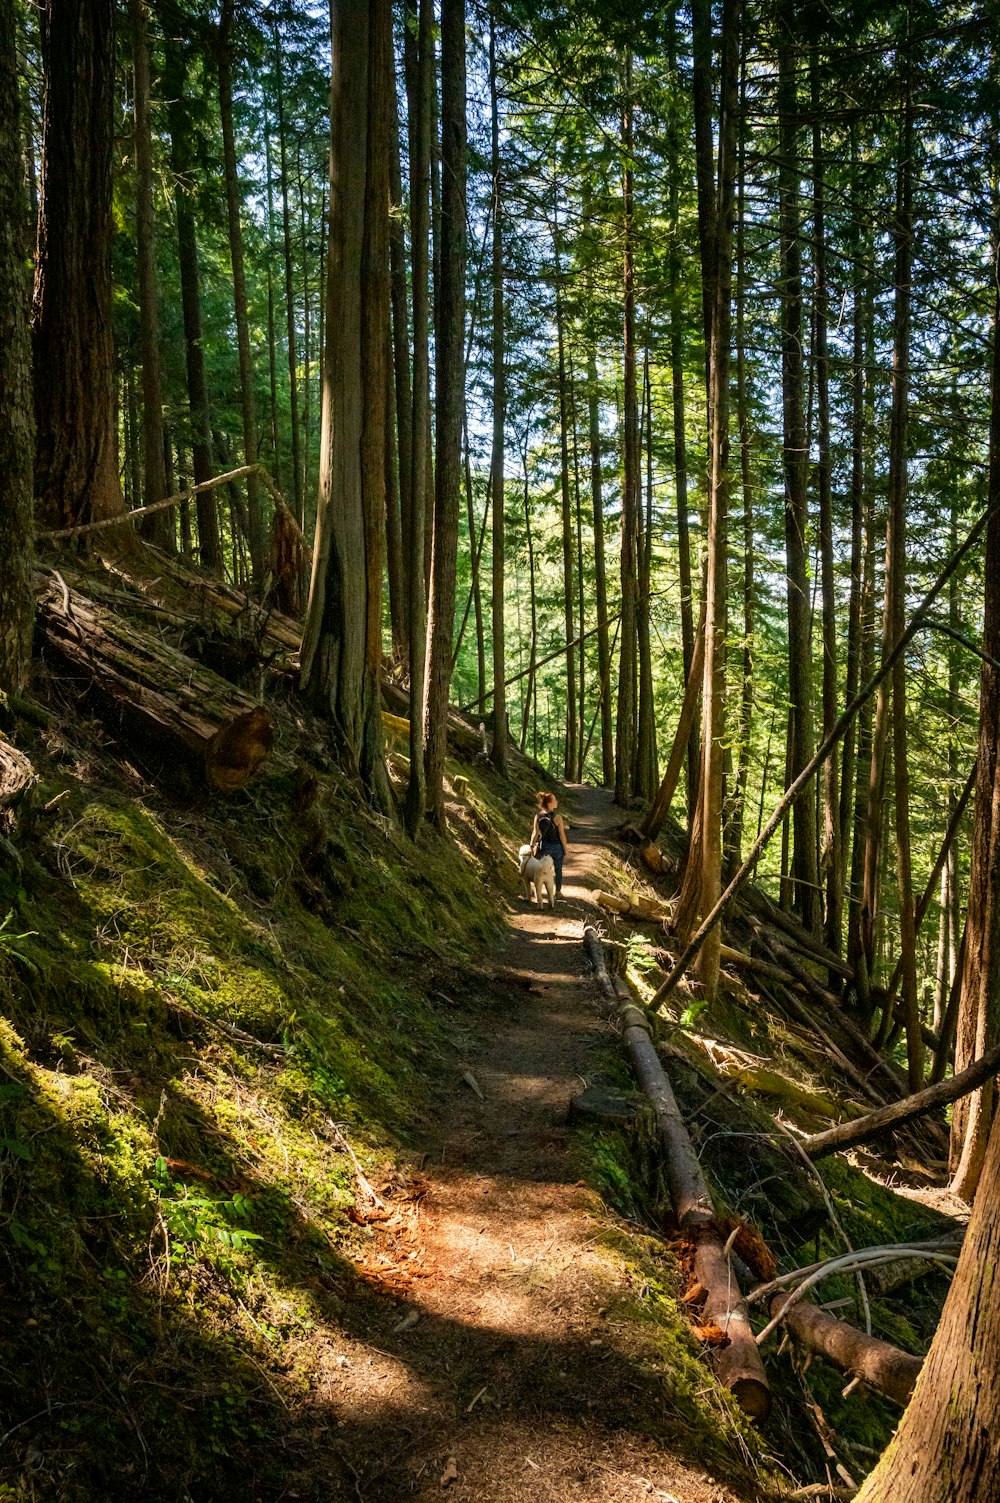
(945, 1449)
(450, 406)
(342, 638)
(17, 423)
(76, 454)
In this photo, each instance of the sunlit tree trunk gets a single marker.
(625, 727)
(600, 572)
(703, 870)
(248, 401)
(647, 774)
(342, 636)
(290, 331)
(419, 43)
(450, 394)
(979, 1010)
(804, 868)
(158, 529)
(945, 1448)
(500, 733)
(182, 165)
(569, 571)
(830, 845)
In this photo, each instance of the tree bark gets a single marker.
(804, 868)
(703, 870)
(17, 421)
(419, 42)
(625, 728)
(979, 1009)
(647, 772)
(342, 637)
(450, 404)
(290, 334)
(401, 364)
(500, 731)
(76, 445)
(248, 401)
(569, 571)
(600, 571)
(158, 529)
(945, 1448)
(182, 166)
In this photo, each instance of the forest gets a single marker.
(403, 405)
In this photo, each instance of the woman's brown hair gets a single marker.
(545, 800)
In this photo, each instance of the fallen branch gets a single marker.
(885, 1367)
(827, 746)
(863, 1129)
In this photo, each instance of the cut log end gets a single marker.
(237, 749)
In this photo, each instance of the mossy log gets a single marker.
(737, 1361)
(151, 694)
(885, 1367)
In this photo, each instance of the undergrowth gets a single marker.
(213, 1014)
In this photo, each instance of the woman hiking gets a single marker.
(548, 834)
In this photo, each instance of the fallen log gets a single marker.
(648, 909)
(17, 777)
(737, 1361)
(153, 695)
(863, 1129)
(883, 1366)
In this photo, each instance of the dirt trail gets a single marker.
(499, 1373)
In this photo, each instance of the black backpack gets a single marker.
(547, 829)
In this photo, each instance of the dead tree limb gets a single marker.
(828, 745)
(863, 1129)
(885, 1367)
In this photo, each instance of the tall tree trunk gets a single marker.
(531, 692)
(735, 832)
(76, 450)
(625, 728)
(703, 870)
(647, 773)
(804, 866)
(979, 1009)
(272, 337)
(570, 735)
(182, 166)
(17, 421)
(600, 572)
(450, 405)
(401, 361)
(158, 529)
(419, 42)
(476, 592)
(830, 850)
(500, 732)
(395, 566)
(342, 637)
(248, 401)
(676, 297)
(290, 335)
(893, 624)
(856, 493)
(945, 1448)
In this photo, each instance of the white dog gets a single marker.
(538, 872)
